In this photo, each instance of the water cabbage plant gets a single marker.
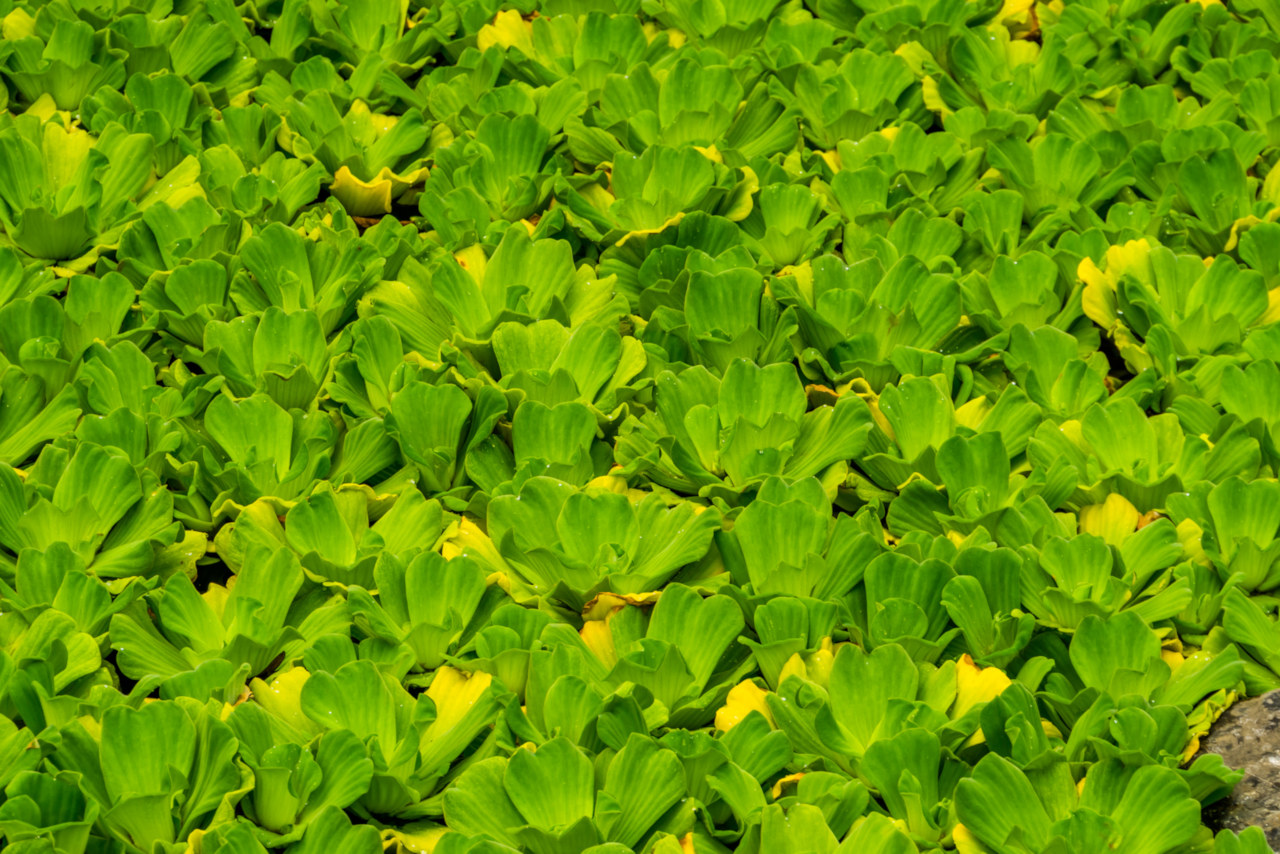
(656, 426)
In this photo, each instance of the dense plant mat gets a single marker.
(634, 425)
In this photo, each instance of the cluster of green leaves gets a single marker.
(794, 427)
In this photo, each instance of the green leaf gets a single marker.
(702, 629)
(551, 787)
(863, 686)
(1000, 807)
(353, 698)
(644, 781)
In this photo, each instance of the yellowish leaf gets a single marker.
(1115, 519)
(454, 693)
(976, 684)
(508, 30)
(599, 639)
(744, 698)
(282, 697)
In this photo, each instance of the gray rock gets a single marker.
(1247, 737)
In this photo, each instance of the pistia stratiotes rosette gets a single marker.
(563, 426)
